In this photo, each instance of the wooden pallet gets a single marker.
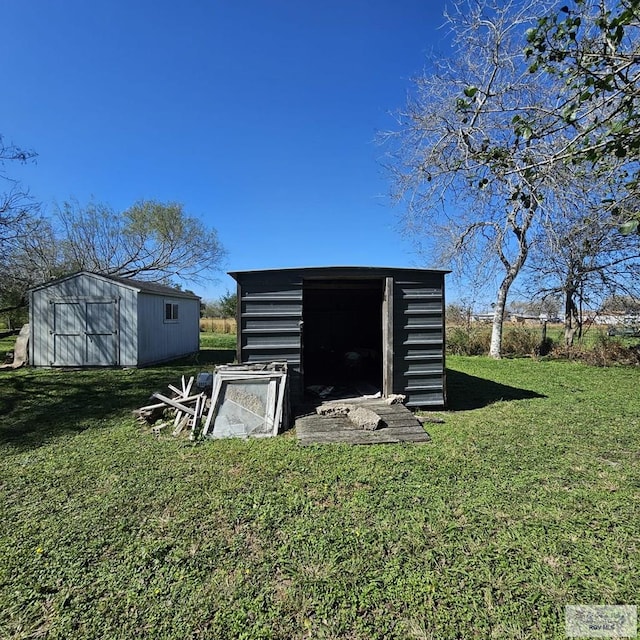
(399, 425)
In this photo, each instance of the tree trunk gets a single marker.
(495, 349)
(571, 319)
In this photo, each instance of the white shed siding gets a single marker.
(87, 319)
(159, 339)
(128, 329)
(39, 328)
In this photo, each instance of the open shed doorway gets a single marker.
(342, 339)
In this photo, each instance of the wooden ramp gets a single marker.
(399, 425)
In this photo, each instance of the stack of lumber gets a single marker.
(333, 423)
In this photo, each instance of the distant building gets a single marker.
(482, 317)
(613, 319)
(521, 318)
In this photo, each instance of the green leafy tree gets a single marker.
(590, 52)
(228, 305)
(150, 240)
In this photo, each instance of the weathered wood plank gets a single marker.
(180, 423)
(324, 426)
(362, 434)
(399, 425)
(174, 404)
(151, 407)
(392, 422)
(405, 432)
(362, 437)
(327, 422)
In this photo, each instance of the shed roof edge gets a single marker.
(135, 285)
(339, 269)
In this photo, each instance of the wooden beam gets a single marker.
(175, 404)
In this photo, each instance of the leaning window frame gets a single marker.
(275, 403)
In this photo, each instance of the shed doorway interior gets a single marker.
(342, 334)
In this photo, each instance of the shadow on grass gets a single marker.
(207, 357)
(465, 392)
(38, 405)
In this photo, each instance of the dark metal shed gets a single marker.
(333, 325)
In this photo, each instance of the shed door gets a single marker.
(100, 333)
(84, 333)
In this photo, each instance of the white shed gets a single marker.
(87, 319)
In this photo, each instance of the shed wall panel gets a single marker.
(128, 327)
(418, 328)
(160, 339)
(269, 317)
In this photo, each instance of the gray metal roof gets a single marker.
(340, 271)
(139, 285)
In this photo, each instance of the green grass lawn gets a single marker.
(6, 344)
(210, 340)
(525, 501)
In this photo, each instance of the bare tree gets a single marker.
(625, 304)
(580, 253)
(17, 207)
(464, 160)
(29, 260)
(546, 305)
(19, 220)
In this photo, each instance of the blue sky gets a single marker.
(260, 116)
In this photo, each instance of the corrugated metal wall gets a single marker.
(269, 321)
(418, 328)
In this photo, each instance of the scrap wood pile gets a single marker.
(182, 409)
(234, 401)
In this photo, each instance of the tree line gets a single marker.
(150, 240)
(516, 156)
